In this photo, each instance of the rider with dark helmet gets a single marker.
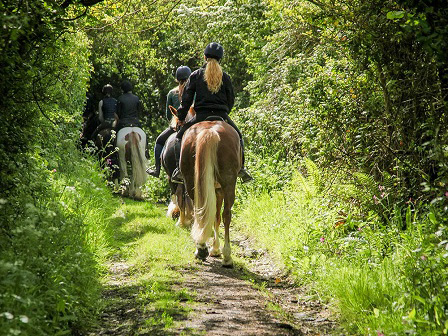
(107, 107)
(107, 110)
(212, 91)
(129, 108)
(173, 99)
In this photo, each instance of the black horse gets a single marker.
(181, 205)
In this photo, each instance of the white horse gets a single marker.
(131, 142)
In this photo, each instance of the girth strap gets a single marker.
(214, 118)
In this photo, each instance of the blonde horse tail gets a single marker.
(204, 181)
(138, 162)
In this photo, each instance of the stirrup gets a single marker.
(153, 172)
(177, 176)
(245, 176)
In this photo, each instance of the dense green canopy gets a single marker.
(360, 87)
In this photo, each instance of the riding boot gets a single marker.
(243, 173)
(177, 176)
(157, 152)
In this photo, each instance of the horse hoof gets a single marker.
(215, 254)
(201, 253)
(227, 265)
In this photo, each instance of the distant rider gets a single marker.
(129, 111)
(173, 99)
(107, 109)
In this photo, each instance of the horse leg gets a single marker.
(188, 208)
(179, 201)
(229, 198)
(122, 160)
(215, 252)
(173, 209)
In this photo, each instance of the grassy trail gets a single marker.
(154, 286)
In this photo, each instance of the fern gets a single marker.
(311, 183)
(367, 186)
(314, 175)
(303, 184)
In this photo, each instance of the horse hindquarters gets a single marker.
(137, 160)
(131, 142)
(204, 185)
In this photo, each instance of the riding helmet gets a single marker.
(126, 86)
(183, 72)
(214, 50)
(108, 89)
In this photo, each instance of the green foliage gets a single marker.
(359, 89)
(53, 237)
(373, 274)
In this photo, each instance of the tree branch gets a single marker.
(85, 3)
(38, 105)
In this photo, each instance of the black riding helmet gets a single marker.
(214, 50)
(108, 89)
(126, 86)
(183, 72)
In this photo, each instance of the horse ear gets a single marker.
(173, 110)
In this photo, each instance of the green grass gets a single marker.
(157, 250)
(365, 297)
(53, 242)
(378, 278)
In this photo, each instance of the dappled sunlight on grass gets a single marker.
(156, 249)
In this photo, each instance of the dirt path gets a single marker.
(232, 302)
(254, 298)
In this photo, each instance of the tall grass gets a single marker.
(53, 239)
(383, 272)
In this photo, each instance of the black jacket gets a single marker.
(129, 110)
(109, 108)
(205, 101)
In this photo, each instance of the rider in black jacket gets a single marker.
(212, 92)
(130, 108)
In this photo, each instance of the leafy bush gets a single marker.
(54, 201)
(52, 241)
(380, 277)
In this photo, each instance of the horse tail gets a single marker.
(137, 160)
(206, 165)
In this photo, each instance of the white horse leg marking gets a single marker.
(226, 250)
(172, 207)
(215, 251)
(227, 215)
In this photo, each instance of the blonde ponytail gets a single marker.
(213, 75)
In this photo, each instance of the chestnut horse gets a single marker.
(210, 160)
(180, 205)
